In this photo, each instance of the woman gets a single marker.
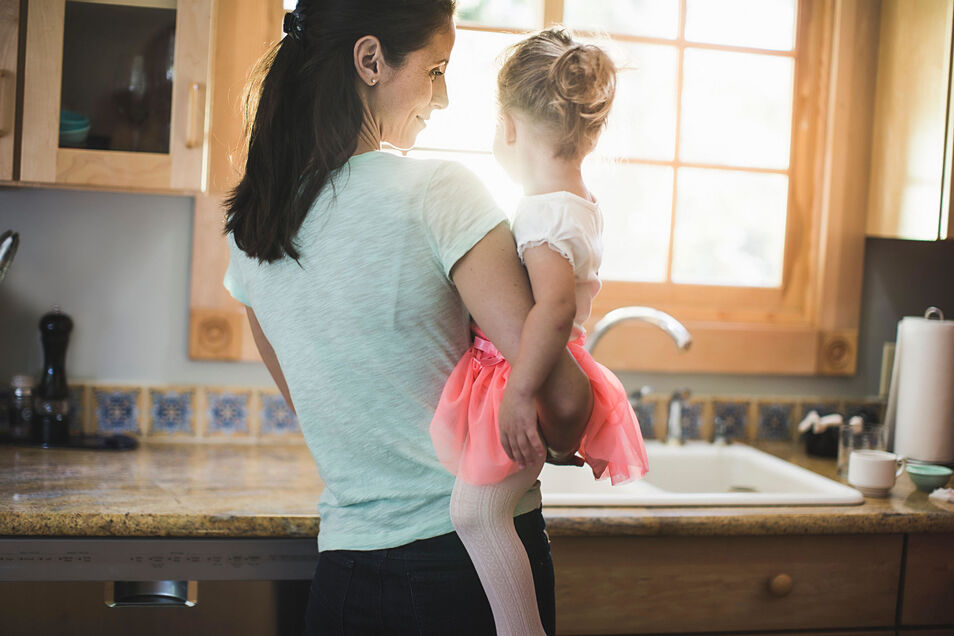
(360, 271)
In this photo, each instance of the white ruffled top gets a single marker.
(571, 226)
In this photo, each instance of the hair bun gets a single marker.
(583, 75)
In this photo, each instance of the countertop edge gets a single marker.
(561, 522)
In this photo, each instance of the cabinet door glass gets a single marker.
(117, 75)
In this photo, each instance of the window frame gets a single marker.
(808, 325)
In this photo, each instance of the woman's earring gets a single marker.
(374, 81)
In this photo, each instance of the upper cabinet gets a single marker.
(115, 93)
(245, 30)
(909, 194)
(9, 40)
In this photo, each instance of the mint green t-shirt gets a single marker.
(366, 331)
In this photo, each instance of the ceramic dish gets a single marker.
(927, 477)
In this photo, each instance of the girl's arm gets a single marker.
(542, 340)
(494, 287)
(269, 357)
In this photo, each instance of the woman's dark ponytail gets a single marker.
(303, 112)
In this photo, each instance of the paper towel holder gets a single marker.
(942, 452)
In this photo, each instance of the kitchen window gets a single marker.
(727, 173)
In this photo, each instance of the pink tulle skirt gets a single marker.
(467, 438)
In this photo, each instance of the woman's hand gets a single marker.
(566, 459)
(519, 434)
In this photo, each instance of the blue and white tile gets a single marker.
(116, 409)
(692, 420)
(172, 411)
(227, 412)
(776, 421)
(275, 416)
(646, 414)
(735, 414)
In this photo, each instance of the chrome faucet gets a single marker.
(8, 248)
(671, 326)
(677, 404)
(647, 314)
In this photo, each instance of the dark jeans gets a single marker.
(422, 588)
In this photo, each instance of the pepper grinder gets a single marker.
(51, 424)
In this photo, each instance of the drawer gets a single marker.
(928, 597)
(613, 585)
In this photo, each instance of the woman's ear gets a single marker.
(368, 61)
(509, 128)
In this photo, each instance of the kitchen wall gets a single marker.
(119, 265)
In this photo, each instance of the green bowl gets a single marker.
(928, 477)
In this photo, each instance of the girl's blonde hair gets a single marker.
(566, 85)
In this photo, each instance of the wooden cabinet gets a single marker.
(909, 194)
(613, 585)
(218, 328)
(9, 41)
(928, 597)
(115, 93)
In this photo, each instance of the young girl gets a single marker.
(554, 97)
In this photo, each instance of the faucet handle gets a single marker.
(720, 431)
(681, 395)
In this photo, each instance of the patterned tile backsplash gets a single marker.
(172, 412)
(228, 412)
(116, 410)
(222, 414)
(276, 416)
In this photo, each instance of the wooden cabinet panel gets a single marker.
(41, 91)
(909, 187)
(182, 168)
(928, 597)
(9, 40)
(613, 585)
(218, 328)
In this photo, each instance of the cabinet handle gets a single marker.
(196, 116)
(5, 96)
(780, 585)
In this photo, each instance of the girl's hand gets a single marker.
(519, 435)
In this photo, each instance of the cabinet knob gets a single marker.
(780, 585)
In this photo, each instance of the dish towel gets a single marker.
(943, 494)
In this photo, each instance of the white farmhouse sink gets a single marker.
(699, 474)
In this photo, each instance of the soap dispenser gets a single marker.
(51, 424)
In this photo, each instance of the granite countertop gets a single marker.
(245, 490)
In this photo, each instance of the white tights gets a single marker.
(483, 518)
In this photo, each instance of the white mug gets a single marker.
(873, 472)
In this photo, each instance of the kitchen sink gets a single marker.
(700, 474)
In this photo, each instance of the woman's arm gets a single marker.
(542, 340)
(269, 357)
(496, 291)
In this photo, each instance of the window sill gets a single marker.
(736, 348)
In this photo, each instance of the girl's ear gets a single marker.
(509, 128)
(368, 61)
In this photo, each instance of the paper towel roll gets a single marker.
(920, 413)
